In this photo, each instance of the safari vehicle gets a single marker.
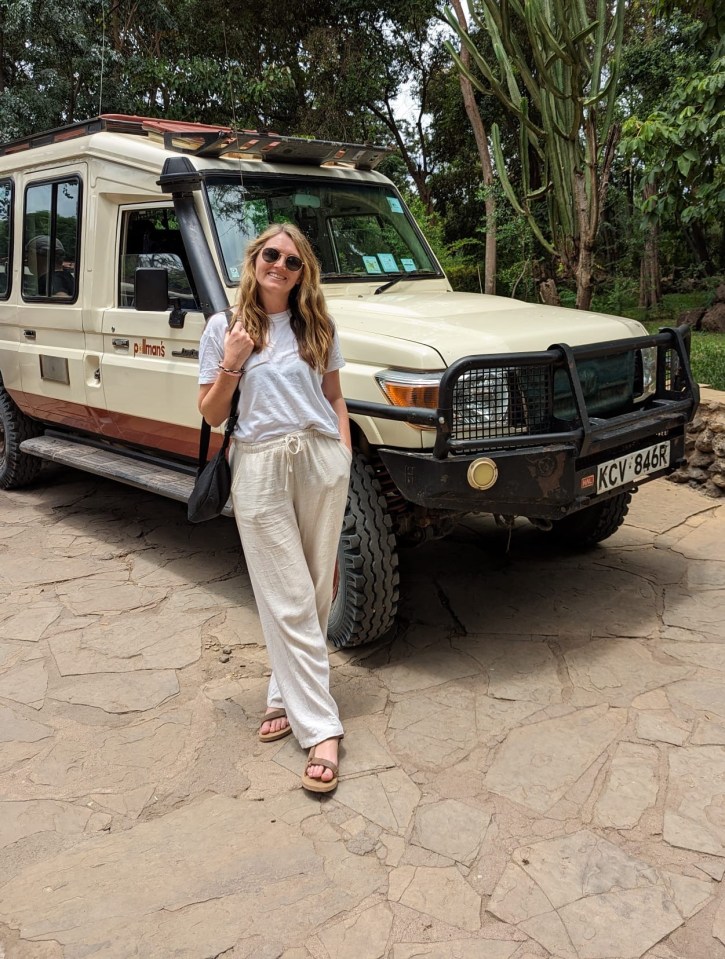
(119, 236)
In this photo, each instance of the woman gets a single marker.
(290, 460)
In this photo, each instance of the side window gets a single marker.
(51, 240)
(151, 238)
(6, 236)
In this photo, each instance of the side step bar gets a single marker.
(110, 464)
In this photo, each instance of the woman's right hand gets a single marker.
(238, 347)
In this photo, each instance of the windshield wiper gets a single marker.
(403, 276)
(413, 274)
(386, 286)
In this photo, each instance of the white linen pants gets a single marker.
(289, 498)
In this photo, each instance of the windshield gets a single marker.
(356, 230)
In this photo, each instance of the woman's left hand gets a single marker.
(333, 394)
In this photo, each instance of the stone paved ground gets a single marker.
(534, 765)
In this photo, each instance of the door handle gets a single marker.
(29, 334)
(120, 344)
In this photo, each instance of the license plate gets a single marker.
(632, 467)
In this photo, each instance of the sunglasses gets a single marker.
(292, 262)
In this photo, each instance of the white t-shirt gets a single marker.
(279, 392)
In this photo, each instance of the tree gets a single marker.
(360, 60)
(330, 70)
(555, 70)
(479, 133)
(48, 58)
(679, 151)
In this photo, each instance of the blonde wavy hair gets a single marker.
(311, 323)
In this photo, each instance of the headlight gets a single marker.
(647, 384)
(410, 389)
(481, 403)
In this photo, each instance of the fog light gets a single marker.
(482, 473)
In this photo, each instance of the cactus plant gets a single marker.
(562, 92)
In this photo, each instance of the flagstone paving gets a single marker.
(533, 768)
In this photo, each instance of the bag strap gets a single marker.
(205, 435)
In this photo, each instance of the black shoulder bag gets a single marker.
(213, 479)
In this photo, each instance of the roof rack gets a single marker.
(204, 140)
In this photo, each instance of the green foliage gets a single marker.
(709, 15)
(681, 150)
(517, 251)
(708, 359)
(462, 253)
(620, 297)
(653, 55)
(462, 260)
(616, 296)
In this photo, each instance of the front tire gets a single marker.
(366, 581)
(592, 524)
(16, 468)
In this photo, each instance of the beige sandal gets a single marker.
(280, 733)
(318, 785)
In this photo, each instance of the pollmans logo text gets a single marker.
(149, 349)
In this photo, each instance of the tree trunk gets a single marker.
(418, 174)
(549, 293)
(590, 194)
(650, 283)
(585, 278)
(702, 248)
(583, 258)
(479, 132)
(545, 283)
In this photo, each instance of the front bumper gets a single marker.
(545, 482)
(552, 472)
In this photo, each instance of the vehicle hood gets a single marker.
(465, 324)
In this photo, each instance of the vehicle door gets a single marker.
(149, 367)
(53, 368)
(8, 293)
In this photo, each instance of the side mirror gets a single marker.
(151, 289)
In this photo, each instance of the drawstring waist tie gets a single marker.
(292, 444)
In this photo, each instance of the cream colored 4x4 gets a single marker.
(119, 236)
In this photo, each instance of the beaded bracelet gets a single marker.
(230, 372)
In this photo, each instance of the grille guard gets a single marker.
(673, 403)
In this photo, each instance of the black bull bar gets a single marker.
(543, 472)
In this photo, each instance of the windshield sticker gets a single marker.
(408, 265)
(233, 273)
(371, 264)
(394, 204)
(387, 261)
